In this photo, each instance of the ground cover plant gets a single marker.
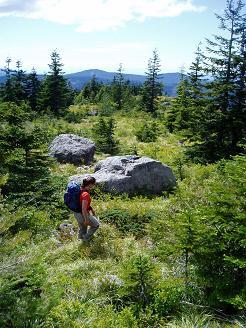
(149, 261)
(171, 260)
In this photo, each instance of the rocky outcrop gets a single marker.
(69, 148)
(132, 174)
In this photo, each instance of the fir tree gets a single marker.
(19, 83)
(190, 98)
(103, 132)
(182, 103)
(21, 152)
(196, 78)
(55, 92)
(238, 116)
(219, 129)
(148, 132)
(7, 89)
(32, 89)
(140, 278)
(197, 93)
(118, 88)
(152, 88)
(135, 89)
(91, 90)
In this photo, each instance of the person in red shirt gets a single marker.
(87, 217)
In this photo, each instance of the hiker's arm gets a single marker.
(84, 209)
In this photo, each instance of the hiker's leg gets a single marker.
(82, 227)
(94, 225)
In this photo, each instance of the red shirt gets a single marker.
(85, 196)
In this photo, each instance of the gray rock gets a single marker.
(66, 231)
(132, 174)
(93, 113)
(66, 228)
(69, 148)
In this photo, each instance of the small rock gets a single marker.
(66, 231)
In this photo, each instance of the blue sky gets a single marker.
(104, 33)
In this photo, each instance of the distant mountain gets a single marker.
(79, 79)
(2, 72)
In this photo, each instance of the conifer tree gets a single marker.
(91, 90)
(19, 83)
(219, 129)
(21, 152)
(55, 91)
(196, 78)
(178, 115)
(118, 88)
(7, 89)
(140, 278)
(103, 132)
(32, 89)
(152, 88)
(238, 115)
(134, 89)
(182, 104)
(190, 98)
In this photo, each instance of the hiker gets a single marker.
(87, 216)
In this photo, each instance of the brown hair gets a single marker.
(88, 180)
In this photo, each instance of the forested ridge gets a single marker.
(170, 260)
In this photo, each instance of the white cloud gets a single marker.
(96, 15)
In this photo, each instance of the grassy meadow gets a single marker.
(140, 269)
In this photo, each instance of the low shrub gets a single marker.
(126, 222)
(167, 297)
(148, 132)
(75, 114)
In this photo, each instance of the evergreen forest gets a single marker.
(171, 260)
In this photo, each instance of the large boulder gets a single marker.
(132, 174)
(69, 148)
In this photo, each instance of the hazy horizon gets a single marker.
(90, 69)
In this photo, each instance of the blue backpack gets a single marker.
(72, 196)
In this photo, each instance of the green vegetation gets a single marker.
(212, 111)
(154, 262)
(148, 132)
(103, 132)
(152, 88)
(175, 260)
